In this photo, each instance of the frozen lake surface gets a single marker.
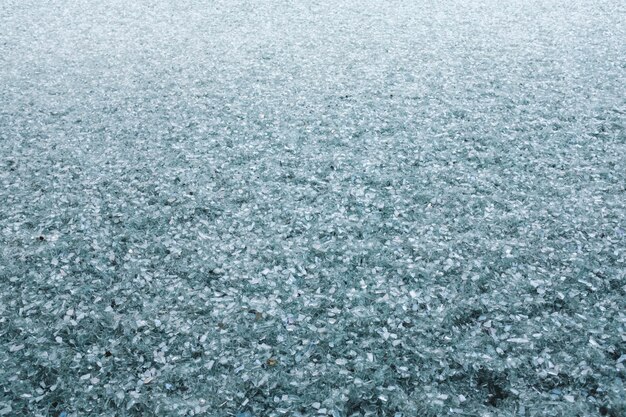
(335, 208)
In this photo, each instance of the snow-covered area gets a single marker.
(295, 208)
